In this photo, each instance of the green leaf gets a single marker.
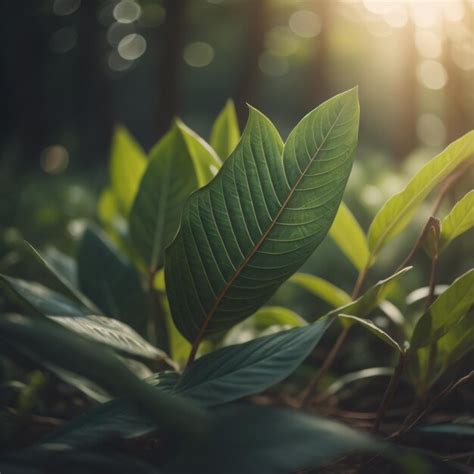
(446, 311)
(39, 299)
(267, 320)
(48, 342)
(375, 330)
(180, 163)
(458, 221)
(127, 165)
(110, 332)
(255, 440)
(244, 369)
(111, 281)
(63, 265)
(398, 211)
(225, 132)
(349, 237)
(362, 306)
(321, 288)
(262, 216)
(456, 429)
(61, 283)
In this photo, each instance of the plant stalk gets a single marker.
(390, 391)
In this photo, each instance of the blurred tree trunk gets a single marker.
(169, 67)
(319, 85)
(255, 15)
(406, 138)
(94, 100)
(25, 76)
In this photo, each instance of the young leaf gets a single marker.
(262, 216)
(45, 302)
(398, 211)
(48, 342)
(366, 303)
(244, 369)
(328, 292)
(127, 165)
(375, 330)
(225, 132)
(458, 221)
(349, 237)
(180, 163)
(111, 281)
(447, 310)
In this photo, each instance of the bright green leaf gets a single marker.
(127, 165)
(225, 132)
(398, 211)
(458, 221)
(446, 311)
(321, 288)
(267, 320)
(375, 330)
(180, 163)
(349, 237)
(111, 281)
(237, 371)
(262, 216)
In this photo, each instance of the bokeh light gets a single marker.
(305, 23)
(432, 74)
(132, 46)
(54, 159)
(273, 65)
(198, 54)
(65, 7)
(63, 40)
(126, 11)
(431, 130)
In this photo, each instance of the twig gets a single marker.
(359, 282)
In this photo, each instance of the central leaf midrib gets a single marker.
(262, 239)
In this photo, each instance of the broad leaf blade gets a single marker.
(244, 369)
(398, 211)
(179, 164)
(349, 237)
(447, 310)
(111, 281)
(458, 221)
(375, 330)
(225, 132)
(48, 342)
(262, 216)
(321, 288)
(127, 165)
(110, 332)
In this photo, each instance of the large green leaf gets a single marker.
(127, 165)
(244, 369)
(63, 265)
(398, 211)
(321, 288)
(349, 237)
(111, 281)
(262, 216)
(225, 133)
(179, 164)
(256, 440)
(48, 342)
(458, 221)
(362, 306)
(447, 310)
(107, 331)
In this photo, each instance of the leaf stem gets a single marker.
(329, 360)
(390, 391)
(157, 331)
